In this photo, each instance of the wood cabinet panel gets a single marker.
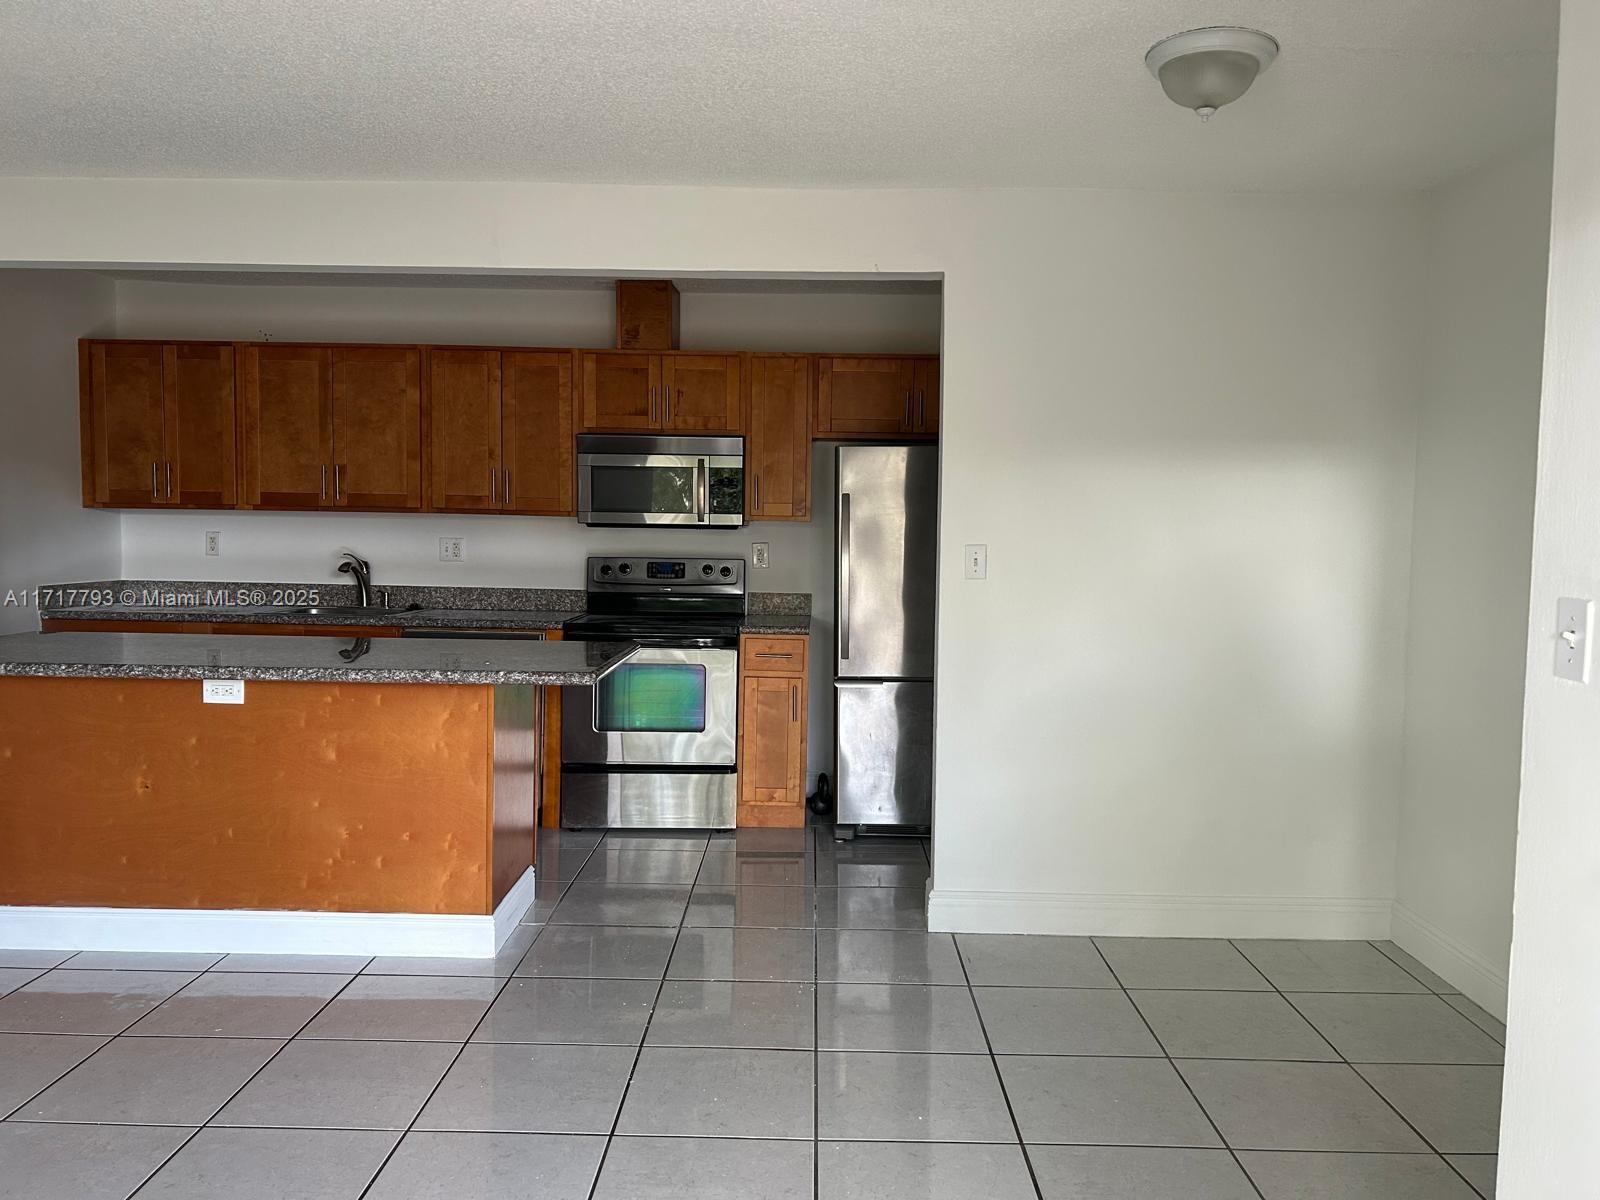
(772, 730)
(198, 382)
(129, 416)
(872, 396)
(377, 427)
(701, 393)
(286, 400)
(465, 442)
(925, 378)
(538, 458)
(620, 391)
(778, 442)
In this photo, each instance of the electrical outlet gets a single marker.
(761, 555)
(222, 691)
(450, 550)
(213, 543)
(976, 562)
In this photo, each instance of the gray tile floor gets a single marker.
(744, 1017)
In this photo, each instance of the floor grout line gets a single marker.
(1437, 1153)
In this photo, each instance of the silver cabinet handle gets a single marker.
(666, 396)
(494, 485)
(844, 575)
(322, 487)
(506, 479)
(758, 491)
(155, 481)
(794, 702)
(771, 654)
(336, 467)
(169, 479)
(908, 409)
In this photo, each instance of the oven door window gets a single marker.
(652, 698)
(668, 488)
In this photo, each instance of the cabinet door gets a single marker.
(198, 382)
(537, 401)
(465, 422)
(377, 427)
(701, 393)
(925, 377)
(621, 391)
(129, 406)
(772, 752)
(778, 446)
(288, 425)
(867, 396)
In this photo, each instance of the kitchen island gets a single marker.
(365, 796)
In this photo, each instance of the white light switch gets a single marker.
(977, 562)
(1574, 630)
(222, 691)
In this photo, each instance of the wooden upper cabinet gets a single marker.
(128, 415)
(466, 447)
(536, 402)
(925, 377)
(377, 427)
(701, 393)
(199, 384)
(287, 405)
(778, 441)
(621, 391)
(865, 396)
(158, 424)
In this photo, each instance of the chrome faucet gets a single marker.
(360, 570)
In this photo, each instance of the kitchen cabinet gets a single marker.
(778, 442)
(877, 397)
(772, 731)
(676, 393)
(241, 628)
(158, 424)
(332, 426)
(500, 431)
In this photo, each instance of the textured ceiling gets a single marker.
(1367, 94)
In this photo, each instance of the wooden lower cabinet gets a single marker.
(772, 731)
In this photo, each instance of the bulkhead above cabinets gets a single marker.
(459, 429)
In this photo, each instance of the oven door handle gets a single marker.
(702, 484)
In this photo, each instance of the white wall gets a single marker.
(46, 535)
(1551, 1108)
(1488, 249)
(504, 551)
(1183, 426)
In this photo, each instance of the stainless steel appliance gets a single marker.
(653, 480)
(888, 506)
(653, 744)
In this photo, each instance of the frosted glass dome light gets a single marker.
(1204, 69)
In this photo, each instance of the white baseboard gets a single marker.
(212, 931)
(1479, 979)
(1157, 916)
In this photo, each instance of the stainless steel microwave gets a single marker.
(655, 480)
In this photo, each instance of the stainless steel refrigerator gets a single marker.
(887, 549)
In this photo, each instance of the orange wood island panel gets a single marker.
(403, 798)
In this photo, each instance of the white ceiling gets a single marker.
(1367, 94)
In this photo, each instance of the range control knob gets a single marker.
(706, 568)
(625, 569)
(605, 569)
(727, 572)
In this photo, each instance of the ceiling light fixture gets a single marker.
(1204, 69)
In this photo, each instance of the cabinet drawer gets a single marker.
(773, 655)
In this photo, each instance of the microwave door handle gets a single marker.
(702, 480)
(844, 576)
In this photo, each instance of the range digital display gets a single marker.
(666, 570)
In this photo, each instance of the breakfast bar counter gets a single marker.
(339, 796)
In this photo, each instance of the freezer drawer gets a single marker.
(884, 767)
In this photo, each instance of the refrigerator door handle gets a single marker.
(844, 576)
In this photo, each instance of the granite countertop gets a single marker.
(421, 618)
(776, 623)
(306, 659)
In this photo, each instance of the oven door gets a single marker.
(664, 706)
(661, 489)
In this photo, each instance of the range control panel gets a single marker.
(667, 574)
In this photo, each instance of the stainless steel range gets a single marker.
(653, 743)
